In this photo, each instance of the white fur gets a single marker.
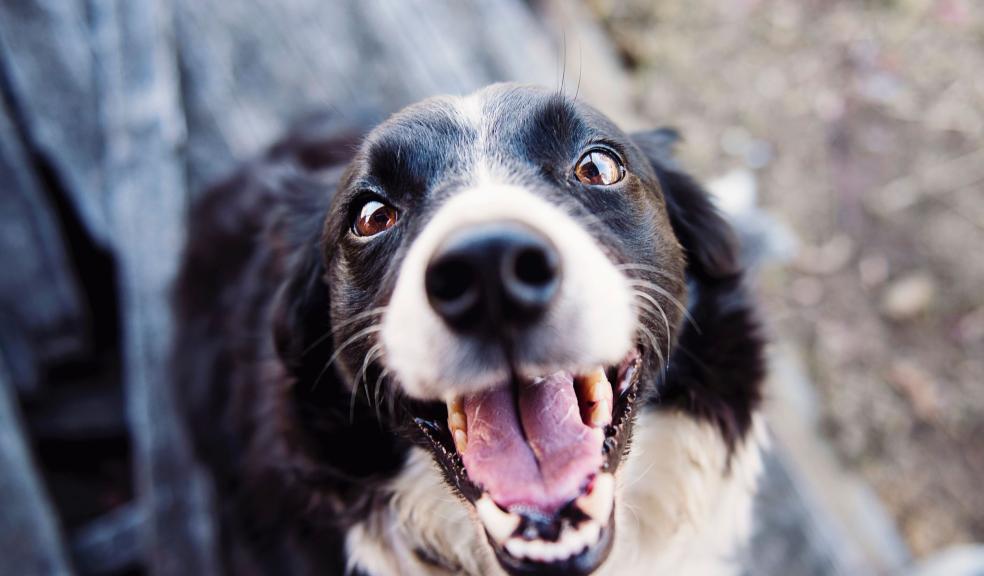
(591, 323)
(682, 509)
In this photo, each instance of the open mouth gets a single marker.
(537, 457)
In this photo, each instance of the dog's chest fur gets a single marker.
(686, 508)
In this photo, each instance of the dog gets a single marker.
(494, 335)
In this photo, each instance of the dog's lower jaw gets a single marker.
(683, 507)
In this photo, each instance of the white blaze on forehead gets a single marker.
(471, 113)
(591, 322)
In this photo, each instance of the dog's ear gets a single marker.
(301, 313)
(706, 238)
(716, 371)
(301, 317)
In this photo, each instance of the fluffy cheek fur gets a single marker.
(683, 508)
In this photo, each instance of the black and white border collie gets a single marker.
(496, 334)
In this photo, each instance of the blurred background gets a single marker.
(843, 138)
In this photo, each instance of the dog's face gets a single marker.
(503, 269)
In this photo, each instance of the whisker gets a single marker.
(580, 62)
(646, 267)
(360, 316)
(371, 354)
(377, 388)
(646, 285)
(653, 340)
(632, 482)
(666, 321)
(656, 348)
(354, 338)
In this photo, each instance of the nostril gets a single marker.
(534, 266)
(530, 278)
(450, 280)
(452, 288)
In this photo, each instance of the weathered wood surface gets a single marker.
(50, 322)
(30, 539)
(50, 73)
(146, 201)
(115, 112)
(251, 67)
(112, 543)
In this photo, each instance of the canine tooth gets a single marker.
(595, 397)
(461, 441)
(598, 503)
(592, 531)
(458, 424)
(601, 414)
(457, 421)
(593, 385)
(456, 413)
(499, 523)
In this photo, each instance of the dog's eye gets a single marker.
(599, 168)
(374, 217)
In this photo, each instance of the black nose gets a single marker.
(493, 275)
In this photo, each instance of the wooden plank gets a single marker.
(146, 201)
(251, 68)
(51, 324)
(110, 544)
(846, 520)
(31, 542)
(53, 90)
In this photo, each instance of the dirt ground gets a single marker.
(863, 122)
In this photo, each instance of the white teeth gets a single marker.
(598, 503)
(590, 532)
(537, 549)
(457, 421)
(601, 415)
(573, 539)
(571, 542)
(458, 424)
(499, 523)
(516, 548)
(460, 441)
(595, 394)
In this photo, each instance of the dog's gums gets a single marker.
(536, 458)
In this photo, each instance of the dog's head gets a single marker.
(506, 279)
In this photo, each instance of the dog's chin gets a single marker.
(536, 459)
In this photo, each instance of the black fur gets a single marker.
(717, 368)
(270, 268)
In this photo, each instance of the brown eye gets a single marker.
(374, 217)
(599, 168)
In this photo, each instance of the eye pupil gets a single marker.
(599, 168)
(374, 217)
(591, 170)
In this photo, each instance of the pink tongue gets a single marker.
(553, 467)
